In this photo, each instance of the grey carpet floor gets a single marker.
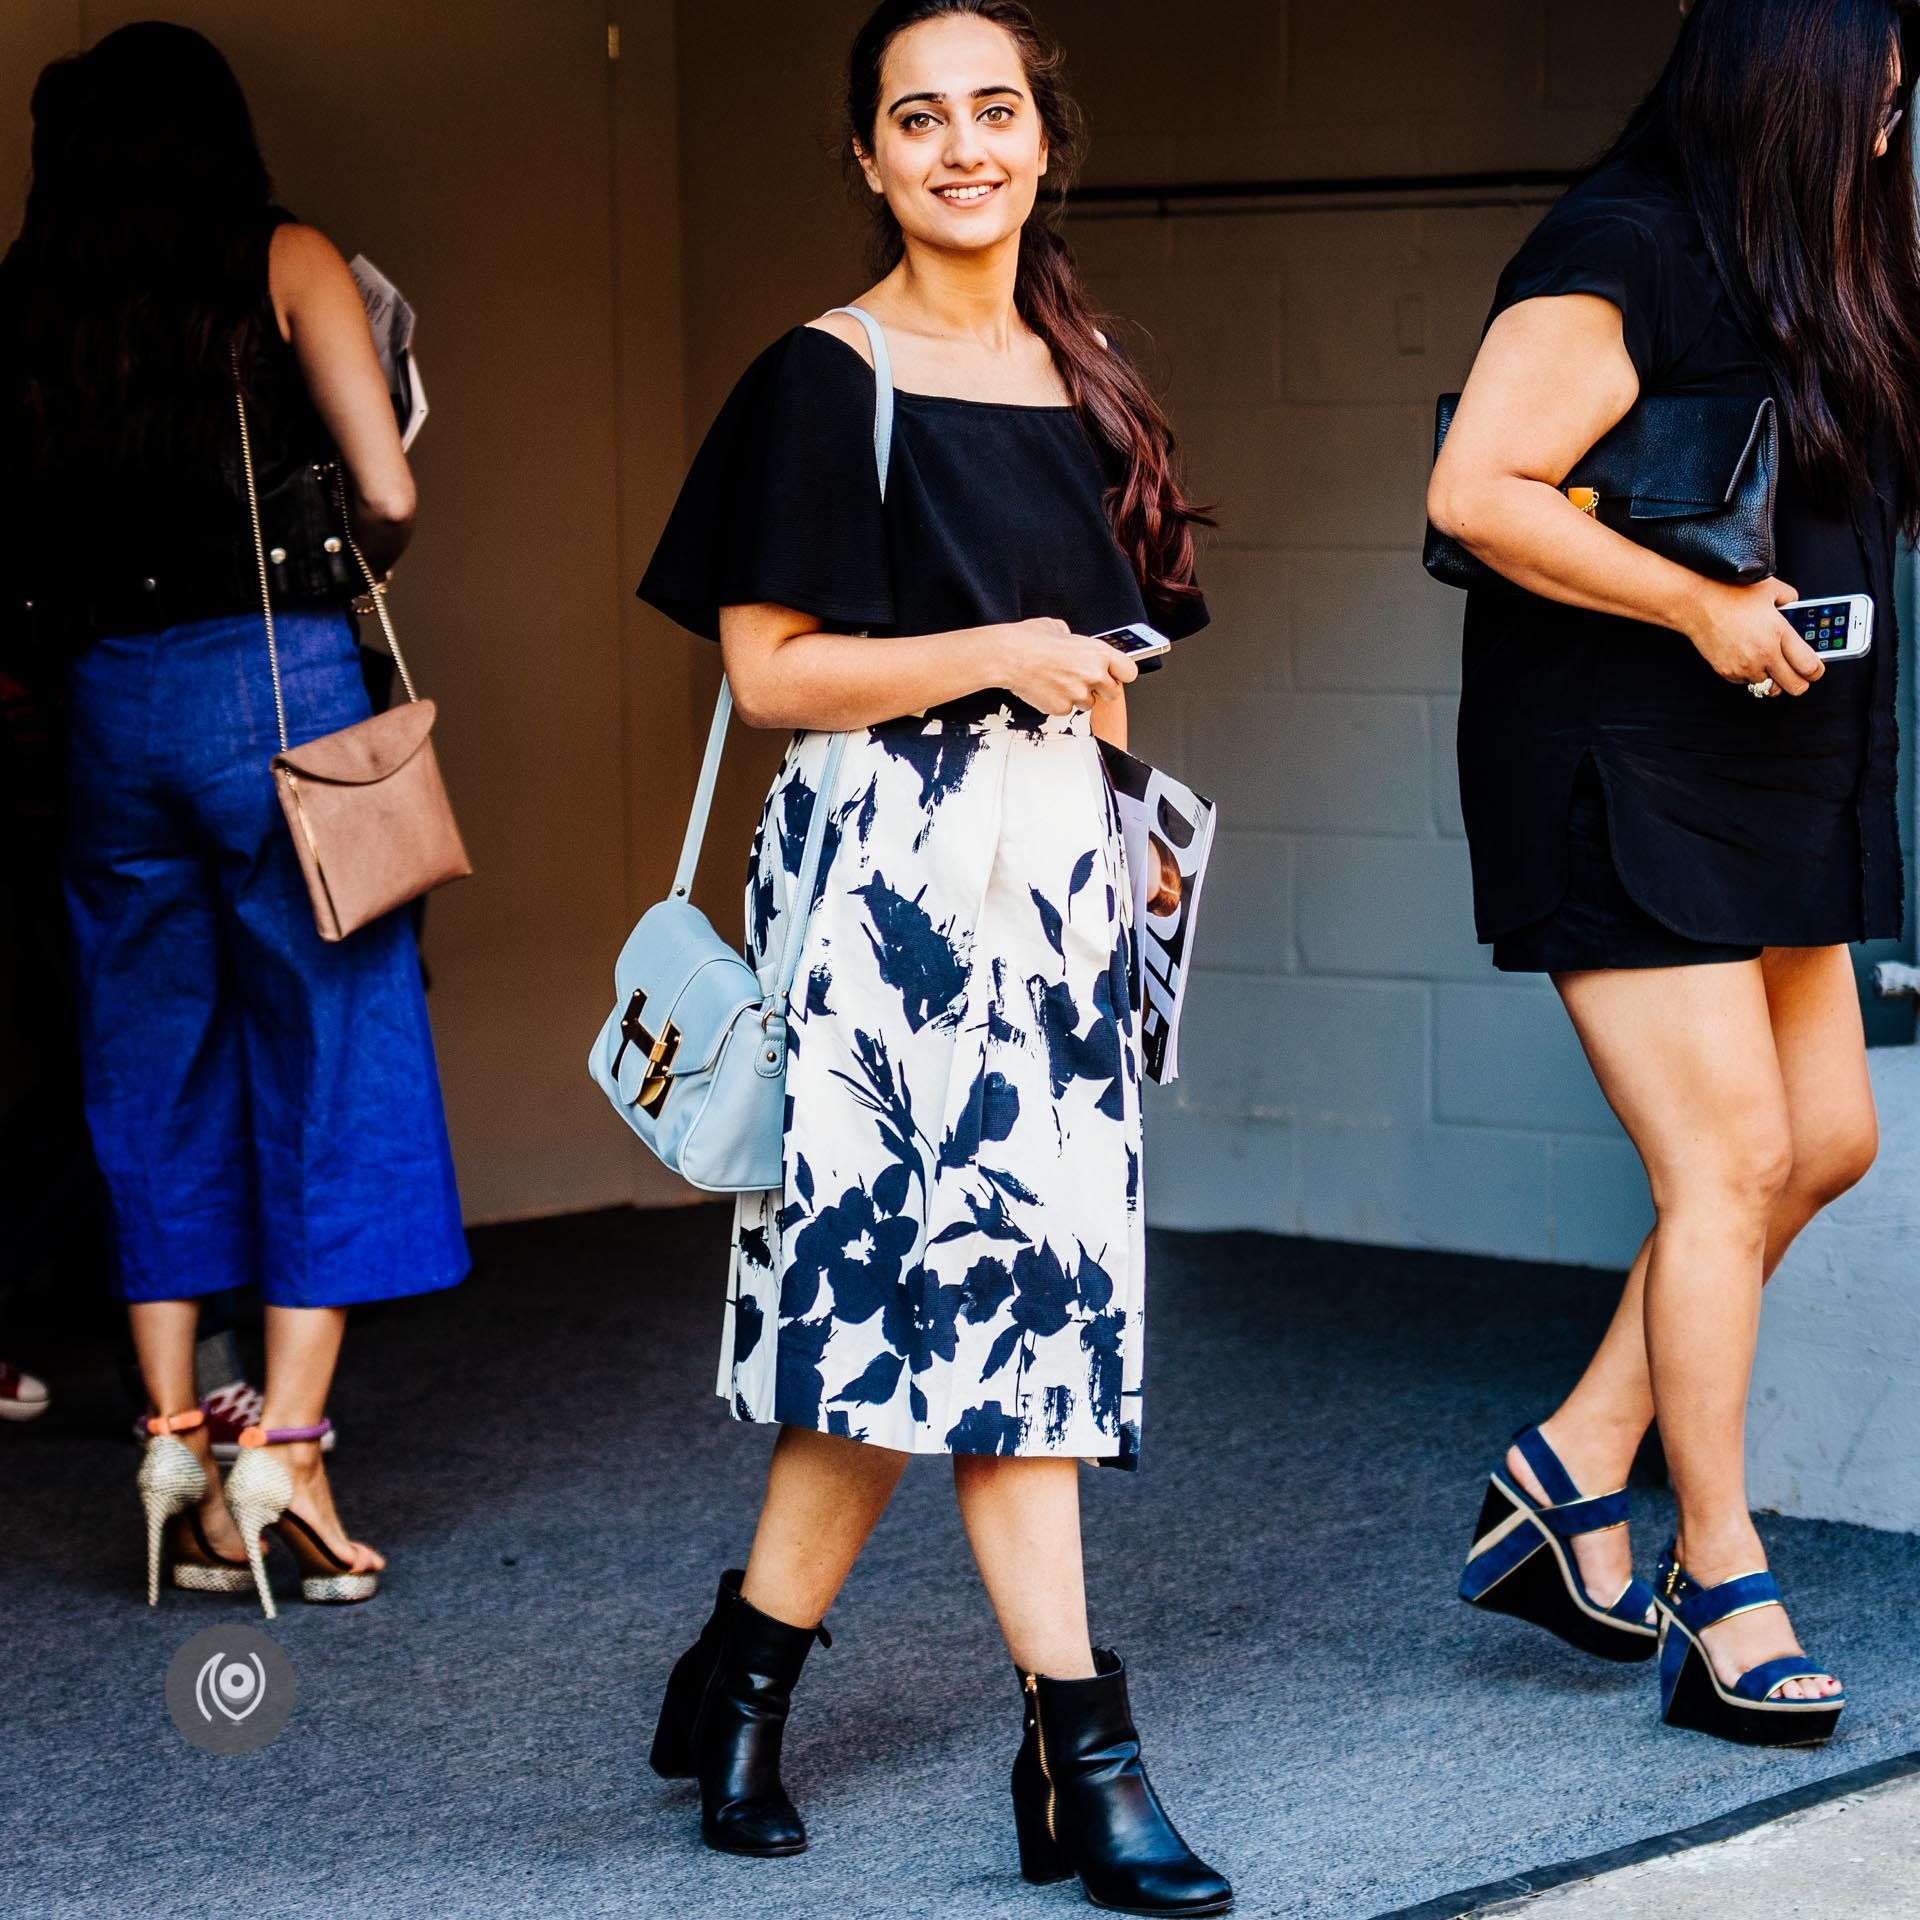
(541, 1456)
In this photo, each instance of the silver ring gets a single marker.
(1764, 688)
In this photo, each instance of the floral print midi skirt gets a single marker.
(956, 1261)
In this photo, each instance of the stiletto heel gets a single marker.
(156, 1532)
(1521, 1563)
(259, 1492)
(1082, 1803)
(1691, 1694)
(171, 1483)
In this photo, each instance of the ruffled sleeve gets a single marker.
(1607, 239)
(782, 502)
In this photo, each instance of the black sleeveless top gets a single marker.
(993, 512)
(1756, 822)
(90, 552)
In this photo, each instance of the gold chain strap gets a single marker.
(259, 546)
(376, 589)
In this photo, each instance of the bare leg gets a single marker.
(1023, 1522)
(1814, 1012)
(303, 1348)
(1687, 1058)
(824, 1497)
(163, 1337)
(1597, 1430)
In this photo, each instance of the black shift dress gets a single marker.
(1725, 820)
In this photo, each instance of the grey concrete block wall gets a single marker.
(1353, 1066)
(1833, 1423)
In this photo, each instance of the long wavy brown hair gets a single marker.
(1152, 518)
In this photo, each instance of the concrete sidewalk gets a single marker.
(1855, 1858)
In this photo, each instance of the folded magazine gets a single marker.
(1168, 830)
(391, 318)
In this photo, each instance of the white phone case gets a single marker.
(1859, 624)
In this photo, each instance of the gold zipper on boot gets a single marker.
(1040, 1748)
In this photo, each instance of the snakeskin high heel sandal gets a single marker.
(172, 1483)
(1521, 1561)
(1750, 1711)
(259, 1492)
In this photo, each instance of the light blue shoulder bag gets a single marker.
(694, 1054)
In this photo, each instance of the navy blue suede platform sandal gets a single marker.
(1521, 1562)
(1750, 1711)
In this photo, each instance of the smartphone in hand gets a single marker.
(1137, 642)
(1836, 629)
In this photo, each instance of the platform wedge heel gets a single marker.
(1521, 1562)
(1750, 1711)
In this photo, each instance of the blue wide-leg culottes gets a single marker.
(264, 1106)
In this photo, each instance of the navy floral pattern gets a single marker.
(956, 1261)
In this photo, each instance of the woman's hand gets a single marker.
(1552, 378)
(785, 672)
(326, 325)
(1059, 671)
(1740, 634)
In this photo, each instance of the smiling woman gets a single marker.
(954, 1262)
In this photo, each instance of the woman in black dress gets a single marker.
(954, 1263)
(1676, 808)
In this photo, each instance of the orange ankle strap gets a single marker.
(159, 1423)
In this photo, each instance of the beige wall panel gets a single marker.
(32, 32)
(659, 663)
(464, 146)
(771, 239)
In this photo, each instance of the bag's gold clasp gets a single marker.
(1586, 499)
(661, 1052)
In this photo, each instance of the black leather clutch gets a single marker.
(1691, 477)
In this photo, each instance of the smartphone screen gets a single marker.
(1838, 626)
(1137, 641)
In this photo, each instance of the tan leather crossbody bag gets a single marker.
(369, 814)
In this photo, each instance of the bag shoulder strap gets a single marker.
(802, 907)
(376, 588)
(259, 544)
(882, 391)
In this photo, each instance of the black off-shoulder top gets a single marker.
(993, 512)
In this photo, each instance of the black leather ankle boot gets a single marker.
(672, 1755)
(722, 1720)
(1082, 1802)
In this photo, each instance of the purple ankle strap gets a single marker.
(273, 1436)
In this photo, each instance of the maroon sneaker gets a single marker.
(22, 1397)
